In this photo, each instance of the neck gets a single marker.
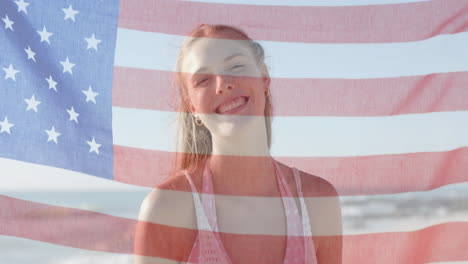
(241, 163)
(248, 137)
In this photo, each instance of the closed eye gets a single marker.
(200, 82)
(237, 66)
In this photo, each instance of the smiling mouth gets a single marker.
(236, 109)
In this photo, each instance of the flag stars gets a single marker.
(52, 83)
(45, 35)
(5, 126)
(8, 22)
(32, 103)
(92, 42)
(67, 66)
(93, 146)
(10, 73)
(52, 135)
(22, 6)
(90, 95)
(30, 53)
(69, 13)
(73, 114)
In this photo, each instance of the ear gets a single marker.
(190, 106)
(266, 77)
(266, 82)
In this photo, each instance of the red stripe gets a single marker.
(140, 166)
(143, 89)
(151, 89)
(337, 24)
(65, 226)
(377, 174)
(443, 242)
(95, 231)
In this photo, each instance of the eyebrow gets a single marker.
(230, 57)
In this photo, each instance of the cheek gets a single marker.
(255, 88)
(204, 101)
(254, 83)
(195, 100)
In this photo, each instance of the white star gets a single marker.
(52, 134)
(32, 103)
(45, 35)
(30, 53)
(22, 6)
(67, 66)
(10, 72)
(5, 126)
(52, 83)
(69, 13)
(8, 22)
(90, 95)
(93, 146)
(73, 114)
(92, 42)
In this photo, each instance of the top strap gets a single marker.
(309, 249)
(305, 215)
(202, 220)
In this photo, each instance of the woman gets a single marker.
(225, 124)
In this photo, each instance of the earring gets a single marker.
(198, 121)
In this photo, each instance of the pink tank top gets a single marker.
(208, 247)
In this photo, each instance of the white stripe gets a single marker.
(404, 211)
(60, 187)
(307, 2)
(397, 212)
(311, 136)
(24, 176)
(443, 53)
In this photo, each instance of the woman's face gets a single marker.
(218, 70)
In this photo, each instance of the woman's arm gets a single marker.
(324, 210)
(153, 242)
(330, 244)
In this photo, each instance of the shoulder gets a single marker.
(311, 185)
(324, 211)
(315, 186)
(166, 217)
(169, 203)
(323, 204)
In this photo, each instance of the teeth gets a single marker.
(230, 106)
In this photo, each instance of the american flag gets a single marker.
(370, 95)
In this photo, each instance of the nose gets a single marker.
(224, 82)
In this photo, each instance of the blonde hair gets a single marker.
(194, 143)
